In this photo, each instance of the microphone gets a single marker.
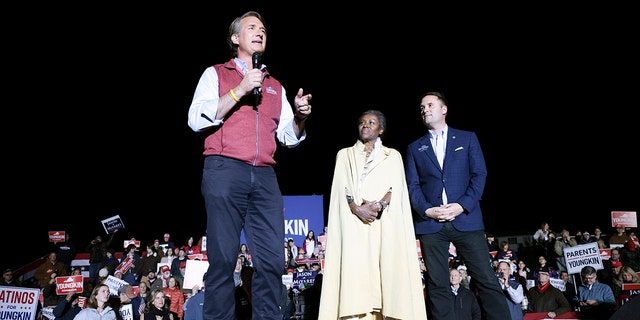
(255, 58)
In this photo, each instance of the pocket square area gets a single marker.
(458, 148)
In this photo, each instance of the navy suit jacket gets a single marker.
(464, 176)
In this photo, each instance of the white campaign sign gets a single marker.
(583, 255)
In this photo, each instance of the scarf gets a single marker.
(543, 288)
(155, 312)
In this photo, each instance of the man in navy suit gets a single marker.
(445, 188)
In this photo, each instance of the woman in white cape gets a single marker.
(371, 268)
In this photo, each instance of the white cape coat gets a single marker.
(371, 266)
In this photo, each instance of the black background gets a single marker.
(97, 99)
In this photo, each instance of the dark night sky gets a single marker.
(98, 108)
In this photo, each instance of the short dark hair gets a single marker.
(438, 95)
(587, 271)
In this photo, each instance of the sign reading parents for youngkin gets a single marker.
(583, 255)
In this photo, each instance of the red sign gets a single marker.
(68, 284)
(307, 260)
(624, 219)
(128, 242)
(56, 236)
(124, 265)
(605, 253)
(545, 315)
(418, 248)
(322, 242)
(631, 286)
(629, 290)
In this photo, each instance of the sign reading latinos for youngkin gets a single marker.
(19, 303)
(583, 255)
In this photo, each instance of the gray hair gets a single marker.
(234, 28)
(381, 118)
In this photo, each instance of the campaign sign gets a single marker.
(322, 245)
(558, 283)
(193, 273)
(624, 219)
(47, 313)
(114, 284)
(126, 311)
(322, 242)
(304, 278)
(128, 242)
(582, 255)
(287, 280)
(301, 215)
(19, 303)
(68, 284)
(56, 236)
(307, 260)
(112, 224)
(125, 265)
(629, 290)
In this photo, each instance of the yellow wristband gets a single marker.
(233, 95)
